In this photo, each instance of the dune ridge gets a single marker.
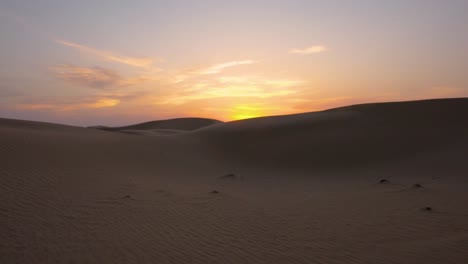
(185, 124)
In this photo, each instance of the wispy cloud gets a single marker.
(224, 93)
(217, 68)
(208, 70)
(62, 104)
(309, 50)
(141, 62)
(94, 77)
(253, 80)
(232, 87)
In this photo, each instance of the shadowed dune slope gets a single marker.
(353, 136)
(34, 125)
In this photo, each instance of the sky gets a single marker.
(118, 62)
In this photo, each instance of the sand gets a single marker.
(289, 189)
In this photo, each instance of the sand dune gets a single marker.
(180, 124)
(306, 189)
(354, 136)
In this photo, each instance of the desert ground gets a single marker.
(371, 183)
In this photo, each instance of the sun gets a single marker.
(245, 112)
(243, 116)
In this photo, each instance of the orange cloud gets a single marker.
(97, 103)
(231, 87)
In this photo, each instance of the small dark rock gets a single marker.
(127, 196)
(427, 208)
(214, 191)
(383, 181)
(417, 185)
(228, 176)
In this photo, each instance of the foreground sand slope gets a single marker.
(305, 189)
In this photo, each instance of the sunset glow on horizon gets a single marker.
(123, 62)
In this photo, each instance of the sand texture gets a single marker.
(336, 186)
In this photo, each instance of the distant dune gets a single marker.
(371, 183)
(177, 124)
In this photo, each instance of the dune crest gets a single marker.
(176, 124)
